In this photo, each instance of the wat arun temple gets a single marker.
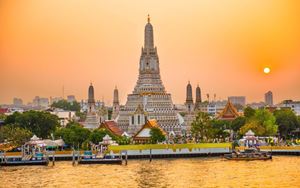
(149, 99)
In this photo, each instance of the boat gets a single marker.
(250, 154)
(90, 158)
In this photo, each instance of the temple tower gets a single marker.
(116, 104)
(92, 120)
(91, 99)
(189, 103)
(149, 94)
(198, 98)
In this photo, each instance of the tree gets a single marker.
(2, 117)
(73, 134)
(39, 123)
(97, 135)
(201, 126)
(237, 123)
(263, 123)
(65, 105)
(286, 120)
(15, 135)
(219, 129)
(249, 112)
(156, 135)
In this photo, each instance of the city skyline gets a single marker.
(42, 52)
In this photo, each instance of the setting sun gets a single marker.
(267, 70)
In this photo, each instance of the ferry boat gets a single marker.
(101, 155)
(249, 154)
(90, 158)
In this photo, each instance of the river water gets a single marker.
(191, 172)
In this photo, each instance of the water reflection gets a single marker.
(196, 172)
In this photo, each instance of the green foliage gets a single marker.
(201, 127)
(2, 116)
(81, 115)
(237, 123)
(97, 135)
(39, 123)
(262, 123)
(249, 112)
(14, 134)
(286, 120)
(64, 104)
(109, 113)
(218, 129)
(156, 135)
(73, 134)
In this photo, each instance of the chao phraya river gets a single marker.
(192, 172)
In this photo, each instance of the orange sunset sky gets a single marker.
(221, 44)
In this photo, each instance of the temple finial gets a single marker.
(148, 18)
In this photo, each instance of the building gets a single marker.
(189, 103)
(238, 100)
(229, 113)
(213, 108)
(293, 105)
(71, 98)
(17, 102)
(64, 116)
(149, 92)
(116, 104)
(40, 102)
(269, 98)
(55, 99)
(257, 105)
(112, 127)
(143, 134)
(92, 120)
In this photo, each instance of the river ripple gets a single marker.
(192, 172)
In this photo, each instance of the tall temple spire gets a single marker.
(149, 43)
(189, 98)
(116, 104)
(149, 93)
(189, 95)
(198, 95)
(91, 98)
(116, 96)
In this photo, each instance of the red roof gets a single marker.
(3, 110)
(113, 127)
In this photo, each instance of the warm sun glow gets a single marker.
(267, 70)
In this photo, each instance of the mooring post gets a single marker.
(126, 157)
(78, 156)
(53, 158)
(150, 156)
(73, 157)
(4, 154)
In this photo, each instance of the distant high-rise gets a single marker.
(189, 103)
(116, 104)
(240, 100)
(269, 98)
(71, 98)
(40, 102)
(17, 102)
